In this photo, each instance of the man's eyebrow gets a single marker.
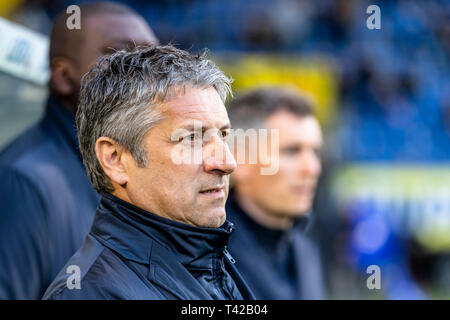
(188, 127)
(191, 127)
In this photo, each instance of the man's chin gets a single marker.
(299, 210)
(215, 218)
(302, 205)
(303, 210)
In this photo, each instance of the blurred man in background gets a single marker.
(270, 211)
(47, 202)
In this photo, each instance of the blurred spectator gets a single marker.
(270, 211)
(394, 80)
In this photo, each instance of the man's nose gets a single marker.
(217, 157)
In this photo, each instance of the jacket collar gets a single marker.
(130, 231)
(270, 237)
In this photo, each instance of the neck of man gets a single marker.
(69, 103)
(70, 106)
(261, 215)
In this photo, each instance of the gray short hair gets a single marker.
(118, 98)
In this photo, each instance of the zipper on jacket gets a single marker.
(228, 255)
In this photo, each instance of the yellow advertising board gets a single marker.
(312, 76)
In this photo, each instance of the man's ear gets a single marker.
(63, 77)
(114, 160)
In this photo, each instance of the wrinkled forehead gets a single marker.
(195, 105)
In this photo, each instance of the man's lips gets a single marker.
(213, 192)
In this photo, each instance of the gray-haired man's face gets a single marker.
(191, 192)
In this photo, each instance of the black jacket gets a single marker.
(47, 204)
(276, 264)
(133, 254)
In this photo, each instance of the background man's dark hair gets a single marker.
(252, 108)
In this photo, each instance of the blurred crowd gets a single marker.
(394, 81)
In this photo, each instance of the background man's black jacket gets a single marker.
(133, 254)
(275, 264)
(47, 204)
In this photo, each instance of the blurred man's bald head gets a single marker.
(65, 42)
(105, 27)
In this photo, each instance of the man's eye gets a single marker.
(224, 134)
(189, 138)
(291, 151)
(193, 137)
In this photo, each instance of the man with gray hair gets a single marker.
(160, 231)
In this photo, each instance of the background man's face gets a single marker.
(177, 191)
(290, 191)
(108, 32)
